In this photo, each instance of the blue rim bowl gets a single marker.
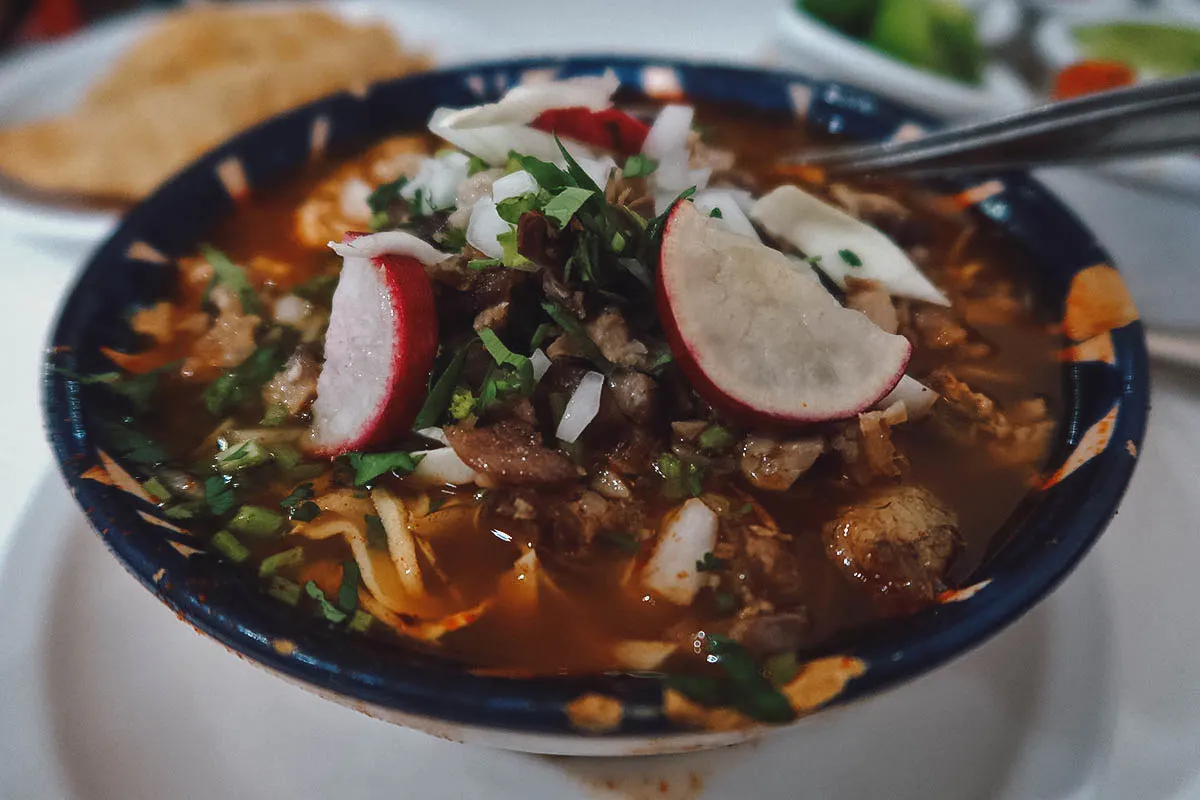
(1104, 374)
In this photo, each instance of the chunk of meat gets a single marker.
(228, 341)
(636, 394)
(870, 299)
(294, 386)
(765, 632)
(775, 465)
(770, 564)
(540, 241)
(611, 334)
(1020, 436)
(897, 543)
(866, 447)
(569, 527)
(510, 452)
(938, 328)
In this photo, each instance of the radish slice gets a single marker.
(389, 243)
(379, 349)
(819, 229)
(485, 228)
(918, 399)
(522, 104)
(513, 185)
(581, 408)
(731, 214)
(759, 337)
(608, 129)
(687, 534)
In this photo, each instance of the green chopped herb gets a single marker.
(283, 589)
(462, 403)
(186, 510)
(574, 328)
(752, 693)
(780, 668)
(441, 392)
(256, 522)
(564, 205)
(618, 242)
(376, 533)
(703, 689)
(436, 503)
(715, 213)
(218, 493)
(680, 478)
(510, 209)
(520, 378)
(814, 260)
(639, 165)
(292, 557)
(542, 334)
(627, 543)
(297, 496)
(227, 545)
(850, 257)
(327, 609)
(243, 383)
(715, 438)
(245, 455)
(286, 457)
(548, 176)
(275, 415)
(156, 490)
(369, 466)
(512, 257)
(484, 263)
(380, 220)
(514, 162)
(138, 389)
(744, 510)
(317, 289)
(475, 165)
(233, 276)
(347, 598)
(577, 173)
(132, 444)
(306, 511)
(452, 239)
(360, 622)
(659, 359)
(710, 563)
(385, 194)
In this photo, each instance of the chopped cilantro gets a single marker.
(138, 389)
(617, 242)
(230, 274)
(360, 622)
(462, 403)
(243, 382)
(347, 598)
(577, 173)
(385, 194)
(475, 165)
(542, 334)
(780, 668)
(227, 545)
(297, 496)
(155, 489)
(328, 609)
(752, 693)
(513, 163)
(132, 444)
(380, 220)
(744, 510)
(275, 415)
(814, 260)
(710, 563)
(306, 511)
(441, 392)
(376, 533)
(715, 438)
(452, 239)
(564, 205)
(186, 510)
(574, 328)
(219, 495)
(680, 478)
(283, 589)
(512, 257)
(369, 466)
(627, 543)
(518, 367)
(639, 165)
(484, 263)
(511, 209)
(850, 257)
(715, 213)
(548, 176)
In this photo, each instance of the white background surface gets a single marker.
(1096, 693)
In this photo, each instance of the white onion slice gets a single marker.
(918, 399)
(485, 226)
(442, 466)
(436, 434)
(513, 185)
(437, 180)
(688, 533)
(494, 142)
(669, 134)
(353, 200)
(732, 216)
(394, 243)
(581, 408)
(540, 362)
(818, 229)
(523, 104)
(598, 169)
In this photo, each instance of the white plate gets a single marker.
(1094, 693)
(49, 79)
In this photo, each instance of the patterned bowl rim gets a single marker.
(1105, 377)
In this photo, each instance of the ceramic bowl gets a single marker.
(1104, 374)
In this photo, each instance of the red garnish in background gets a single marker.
(609, 129)
(1088, 77)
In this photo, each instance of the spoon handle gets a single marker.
(1150, 118)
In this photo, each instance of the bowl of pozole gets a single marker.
(537, 404)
